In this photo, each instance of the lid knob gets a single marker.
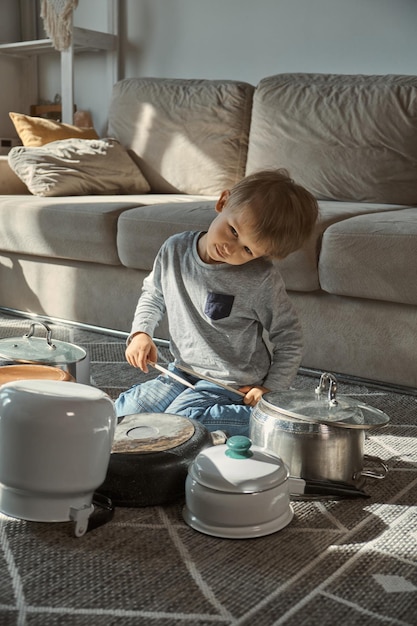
(238, 447)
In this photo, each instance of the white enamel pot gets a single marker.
(55, 445)
(237, 491)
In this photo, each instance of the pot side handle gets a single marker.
(369, 473)
(218, 437)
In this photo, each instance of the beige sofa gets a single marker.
(351, 140)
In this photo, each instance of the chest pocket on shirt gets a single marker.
(218, 305)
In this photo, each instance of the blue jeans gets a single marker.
(211, 405)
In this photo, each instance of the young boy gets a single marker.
(222, 293)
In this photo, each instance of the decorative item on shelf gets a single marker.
(83, 119)
(57, 19)
(51, 110)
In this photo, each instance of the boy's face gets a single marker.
(229, 238)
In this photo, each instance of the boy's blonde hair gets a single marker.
(284, 212)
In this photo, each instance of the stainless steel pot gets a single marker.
(318, 436)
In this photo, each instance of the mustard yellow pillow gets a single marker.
(37, 131)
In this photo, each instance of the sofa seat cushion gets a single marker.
(143, 230)
(343, 137)
(372, 256)
(81, 228)
(300, 269)
(189, 136)
(10, 183)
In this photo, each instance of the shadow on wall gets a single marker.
(186, 135)
(136, 24)
(129, 48)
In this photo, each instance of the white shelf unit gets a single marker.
(83, 40)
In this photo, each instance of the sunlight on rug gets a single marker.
(346, 561)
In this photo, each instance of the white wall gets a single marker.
(247, 39)
(10, 90)
(241, 39)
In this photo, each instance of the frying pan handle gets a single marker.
(88, 518)
(48, 334)
(103, 511)
(330, 488)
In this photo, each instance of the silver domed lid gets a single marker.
(322, 407)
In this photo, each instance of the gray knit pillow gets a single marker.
(78, 167)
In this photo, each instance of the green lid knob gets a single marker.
(238, 447)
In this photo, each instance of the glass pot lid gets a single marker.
(48, 351)
(322, 407)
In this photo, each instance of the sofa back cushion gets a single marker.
(348, 138)
(188, 136)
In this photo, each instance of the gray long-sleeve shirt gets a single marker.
(217, 315)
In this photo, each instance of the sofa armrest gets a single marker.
(9, 182)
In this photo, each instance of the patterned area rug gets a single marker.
(349, 561)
